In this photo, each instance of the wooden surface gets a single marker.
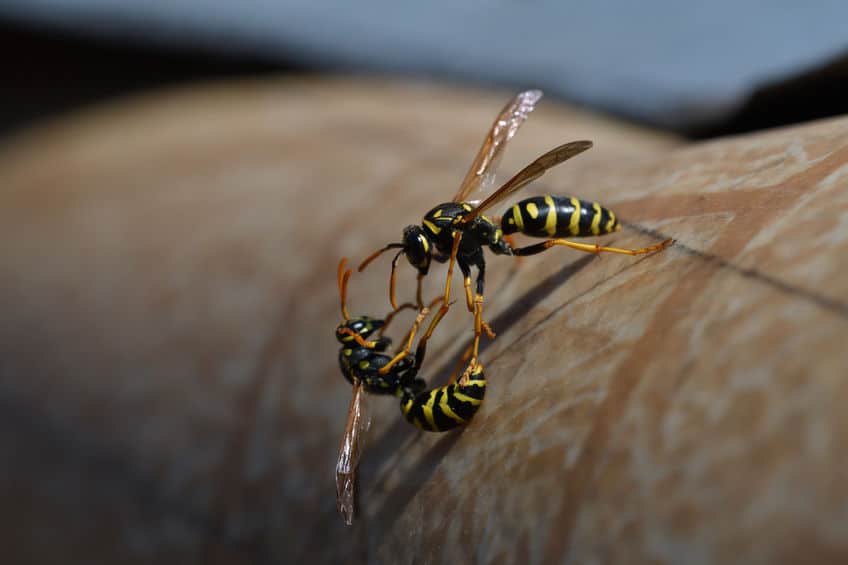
(168, 374)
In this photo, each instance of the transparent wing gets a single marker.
(350, 450)
(482, 171)
(528, 174)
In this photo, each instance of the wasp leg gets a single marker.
(460, 363)
(390, 316)
(418, 298)
(479, 323)
(466, 281)
(588, 248)
(422, 343)
(421, 351)
(422, 314)
(478, 330)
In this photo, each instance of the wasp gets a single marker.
(456, 232)
(369, 369)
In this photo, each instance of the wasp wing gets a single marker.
(350, 450)
(482, 170)
(528, 174)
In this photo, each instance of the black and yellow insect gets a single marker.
(437, 410)
(446, 407)
(558, 216)
(369, 369)
(457, 231)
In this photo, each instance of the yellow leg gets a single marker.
(422, 343)
(418, 291)
(591, 248)
(480, 326)
(422, 314)
(467, 353)
(469, 297)
(466, 374)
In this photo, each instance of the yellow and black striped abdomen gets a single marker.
(558, 216)
(446, 407)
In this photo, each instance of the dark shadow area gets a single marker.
(395, 503)
(63, 472)
(234, 493)
(818, 93)
(399, 437)
(48, 73)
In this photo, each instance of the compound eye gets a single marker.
(419, 254)
(416, 247)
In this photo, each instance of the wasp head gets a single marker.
(416, 247)
(363, 326)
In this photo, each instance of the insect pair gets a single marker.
(457, 232)
(369, 369)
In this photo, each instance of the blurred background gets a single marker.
(699, 69)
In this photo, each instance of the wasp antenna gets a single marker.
(392, 281)
(340, 272)
(377, 254)
(344, 276)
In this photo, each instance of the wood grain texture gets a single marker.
(168, 370)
